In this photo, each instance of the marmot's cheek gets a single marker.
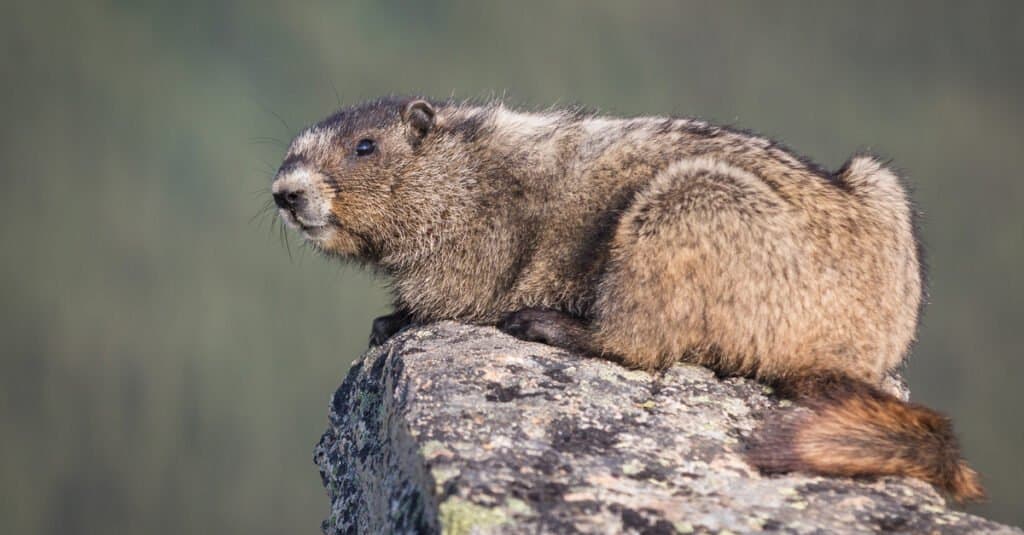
(339, 242)
(317, 234)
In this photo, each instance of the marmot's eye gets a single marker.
(365, 147)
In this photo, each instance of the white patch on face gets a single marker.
(312, 141)
(312, 218)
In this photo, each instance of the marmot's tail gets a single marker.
(855, 429)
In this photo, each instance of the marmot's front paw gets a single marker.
(385, 327)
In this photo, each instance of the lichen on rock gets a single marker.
(460, 429)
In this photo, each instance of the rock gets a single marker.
(460, 429)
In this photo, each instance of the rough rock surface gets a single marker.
(459, 429)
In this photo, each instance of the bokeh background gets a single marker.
(166, 363)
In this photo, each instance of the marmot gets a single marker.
(646, 240)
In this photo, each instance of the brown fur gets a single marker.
(648, 240)
(854, 429)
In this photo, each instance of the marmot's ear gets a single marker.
(419, 115)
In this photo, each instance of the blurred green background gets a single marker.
(166, 366)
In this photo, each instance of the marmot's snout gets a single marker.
(300, 202)
(290, 199)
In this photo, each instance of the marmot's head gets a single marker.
(371, 179)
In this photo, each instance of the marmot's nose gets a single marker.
(290, 199)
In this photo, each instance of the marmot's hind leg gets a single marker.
(698, 270)
(694, 272)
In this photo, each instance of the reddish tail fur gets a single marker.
(855, 429)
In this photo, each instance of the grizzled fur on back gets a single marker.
(647, 239)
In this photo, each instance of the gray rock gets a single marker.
(460, 429)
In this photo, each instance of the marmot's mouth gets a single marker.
(313, 233)
(309, 230)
